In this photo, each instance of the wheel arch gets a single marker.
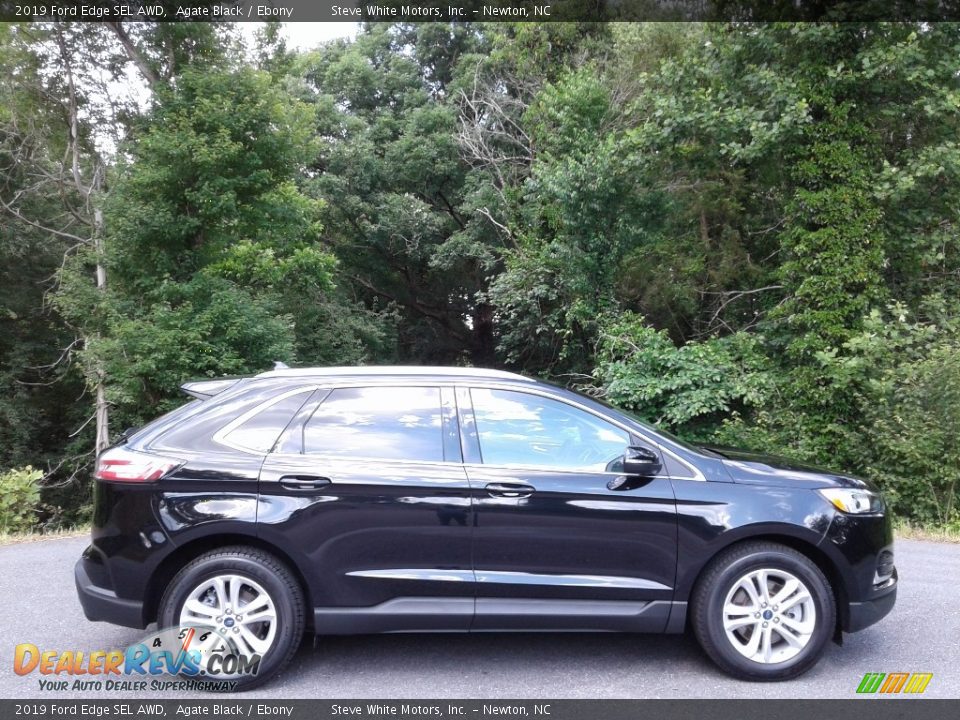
(187, 552)
(806, 546)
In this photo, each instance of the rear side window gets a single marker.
(384, 423)
(166, 420)
(196, 431)
(258, 431)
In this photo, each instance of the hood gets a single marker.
(760, 469)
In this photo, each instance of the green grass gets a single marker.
(25, 537)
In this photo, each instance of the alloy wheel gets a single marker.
(769, 615)
(238, 609)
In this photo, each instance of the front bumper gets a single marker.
(864, 614)
(861, 547)
(102, 604)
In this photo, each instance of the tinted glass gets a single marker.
(388, 423)
(166, 420)
(261, 431)
(194, 431)
(291, 440)
(516, 428)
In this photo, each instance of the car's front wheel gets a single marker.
(242, 612)
(763, 611)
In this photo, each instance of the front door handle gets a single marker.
(510, 490)
(303, 482)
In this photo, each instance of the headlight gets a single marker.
(855, 502)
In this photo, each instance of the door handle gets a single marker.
(510, 490)
(303, 482)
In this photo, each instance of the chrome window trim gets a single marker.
(463, 382)
(553, 470)
(360, 458)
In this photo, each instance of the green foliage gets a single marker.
(212, 248)
(19, 498)
(35, 342)
(578, 219)
(201, 328)
(747, 233)
(905, 378)
(686, 389)
(215, 166)
(915, 427)
(397, 210)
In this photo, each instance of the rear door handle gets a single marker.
(510, 490)
(303, 482)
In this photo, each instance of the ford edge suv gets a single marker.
(386, 499)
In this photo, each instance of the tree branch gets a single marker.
(153, 80)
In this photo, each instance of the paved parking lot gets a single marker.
(38, 605)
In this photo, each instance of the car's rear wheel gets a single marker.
(763, 611)
(246, 610)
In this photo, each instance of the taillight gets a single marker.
(121, 465)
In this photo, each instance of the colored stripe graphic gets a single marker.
(871, 682)
(894, 682)
(918, 682)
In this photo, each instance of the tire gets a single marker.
(254, 579)
(749, 639)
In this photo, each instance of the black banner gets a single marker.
(272, 709)
(479, 10)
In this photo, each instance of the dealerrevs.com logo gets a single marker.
(894, 683)
(204, 658)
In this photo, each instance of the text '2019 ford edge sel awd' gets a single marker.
(384, 499)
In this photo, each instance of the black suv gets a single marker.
(384, 499)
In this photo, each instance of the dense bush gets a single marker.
(689, 388)
(19, 498)
(900, 380)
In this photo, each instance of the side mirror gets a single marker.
(641, 461)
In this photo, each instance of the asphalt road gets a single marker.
(38, 605)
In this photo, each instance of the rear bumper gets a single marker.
(103, 604)
(864, 614)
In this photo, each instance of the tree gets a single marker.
(394, 185)
(211, 244)
(54, 178)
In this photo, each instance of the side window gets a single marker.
(203, 427)
(259, 431)
(516, 428)
(386, 423)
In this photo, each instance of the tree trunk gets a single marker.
(102, 437)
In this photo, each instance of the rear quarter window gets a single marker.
(166, 420)
(258, 430)
(195, 432)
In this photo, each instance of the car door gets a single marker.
(563, 539)
(367, 485)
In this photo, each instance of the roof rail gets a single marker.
(405, 370)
